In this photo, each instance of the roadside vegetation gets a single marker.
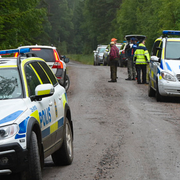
(84, 59)
(78, 26)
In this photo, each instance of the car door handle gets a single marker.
(60, 97)
(50, 104)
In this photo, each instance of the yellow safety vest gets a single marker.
(141, 55)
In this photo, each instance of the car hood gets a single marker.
(10, 110)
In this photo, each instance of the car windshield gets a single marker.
(10, 85)
(101, 50)
(44, 53)
(172, 50)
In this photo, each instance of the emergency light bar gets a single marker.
(171, 32)
(10, 51)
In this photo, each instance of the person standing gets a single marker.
(132, 69)
(128, 51)
(113, 56)
(141, 59)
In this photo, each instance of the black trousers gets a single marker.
(113, 69)
(141, 68)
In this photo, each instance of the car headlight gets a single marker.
(8, 131)
(167, 76)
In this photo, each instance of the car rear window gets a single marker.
(44, 53)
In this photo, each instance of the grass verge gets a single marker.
(84, 59)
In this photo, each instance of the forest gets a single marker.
(78, 26)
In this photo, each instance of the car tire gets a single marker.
(66, 82)
(104, 63)
(151, 91)
(159, 98)
(34, 167)
(64, 155)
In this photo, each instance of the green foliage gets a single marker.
(21, 23)
(78, 26)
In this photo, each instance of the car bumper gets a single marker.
(13, 158)
(100, 61)
(168, 88)
(60, 76)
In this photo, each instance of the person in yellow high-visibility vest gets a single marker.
(141, 59)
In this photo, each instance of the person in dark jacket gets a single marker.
(114, 57)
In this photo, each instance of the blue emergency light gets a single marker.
(171, 32)
(10, 51)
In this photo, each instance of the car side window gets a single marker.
(49, 72)
(159, 50)
(154, 50)
(32, 79)
(41, 73)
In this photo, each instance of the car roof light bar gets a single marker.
(10, 51)
(171, 32)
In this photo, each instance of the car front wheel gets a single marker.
(151, 91)
(34, 167)
(159, 98)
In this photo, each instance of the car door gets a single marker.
(45, 107)
(154, 66)
(56, 125)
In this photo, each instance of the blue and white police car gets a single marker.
(35, 118)
(164, 74)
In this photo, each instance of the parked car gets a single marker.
(35, 119)
(106, 55)
(98, 54)
(164, 74)
(54, 60)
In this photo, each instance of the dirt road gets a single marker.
(120, 132)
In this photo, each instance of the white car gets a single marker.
(35, 118)
(164, 75)
(98, 54)
(53, 59)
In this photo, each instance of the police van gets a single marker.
(35, 118)
(164, 74)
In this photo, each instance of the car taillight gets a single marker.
(58, 65)
(16, 54)
(56, 55)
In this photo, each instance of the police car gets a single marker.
(53, 59)
(35, 118)
(164, 74)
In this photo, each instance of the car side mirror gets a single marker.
(66, 60)
(154, 58)
(41, 91)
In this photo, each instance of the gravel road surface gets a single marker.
(119, 132)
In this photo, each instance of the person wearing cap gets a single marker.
(114, 57)
(114, 40)
(141, 59)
